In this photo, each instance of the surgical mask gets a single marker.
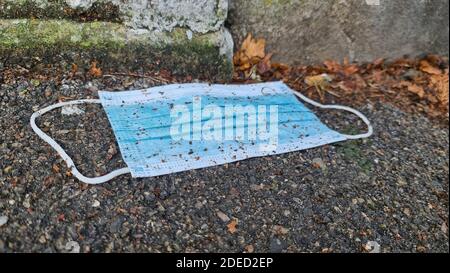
(179, 127)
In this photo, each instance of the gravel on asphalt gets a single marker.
(389, 191)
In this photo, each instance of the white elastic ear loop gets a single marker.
(60, 150)
(341, 107)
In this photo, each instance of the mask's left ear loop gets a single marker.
(60, 150)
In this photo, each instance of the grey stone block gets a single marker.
(307, 31)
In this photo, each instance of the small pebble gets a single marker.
(223, 217)
(318, 163)
(96, 204)
(72, 247)
(3, 220)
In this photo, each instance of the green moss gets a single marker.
(29, 34)
(351, 150)
(178, 34)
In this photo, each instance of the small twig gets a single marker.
(332, 93)
(250, 75)
(297, 79)
(153, 78)
(319, 91)
(64, 98)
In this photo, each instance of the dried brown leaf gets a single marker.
(55, 168)
(74, 68)
(94, 70)
(416, 89)
(318, 80)
(426, 67)
(332, 66)
(232, 226)
(350, 69)
(441, 85)
(347, 86)
(254, 48)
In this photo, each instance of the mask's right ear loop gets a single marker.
(340, 107)
(60, 150)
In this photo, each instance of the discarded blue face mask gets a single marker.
(180, 127)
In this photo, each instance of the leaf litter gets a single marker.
(417, 85)
(412, 84)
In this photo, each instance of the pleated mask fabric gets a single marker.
(179, 127)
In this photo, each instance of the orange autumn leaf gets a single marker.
(416, 89)
(94, 70)
(411, 87)
(426, 67)
(254, 48)
(332, 66)
(251, 61)
(232, 226)
(351, 69)
(241, 60)
(283, 68)
(441, 85)
(55, 168)
(347, 69)
(251, 53)
(74, 68)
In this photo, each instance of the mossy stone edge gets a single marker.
(32, 42)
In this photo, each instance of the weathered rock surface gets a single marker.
(164, 15)
(311, 31)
